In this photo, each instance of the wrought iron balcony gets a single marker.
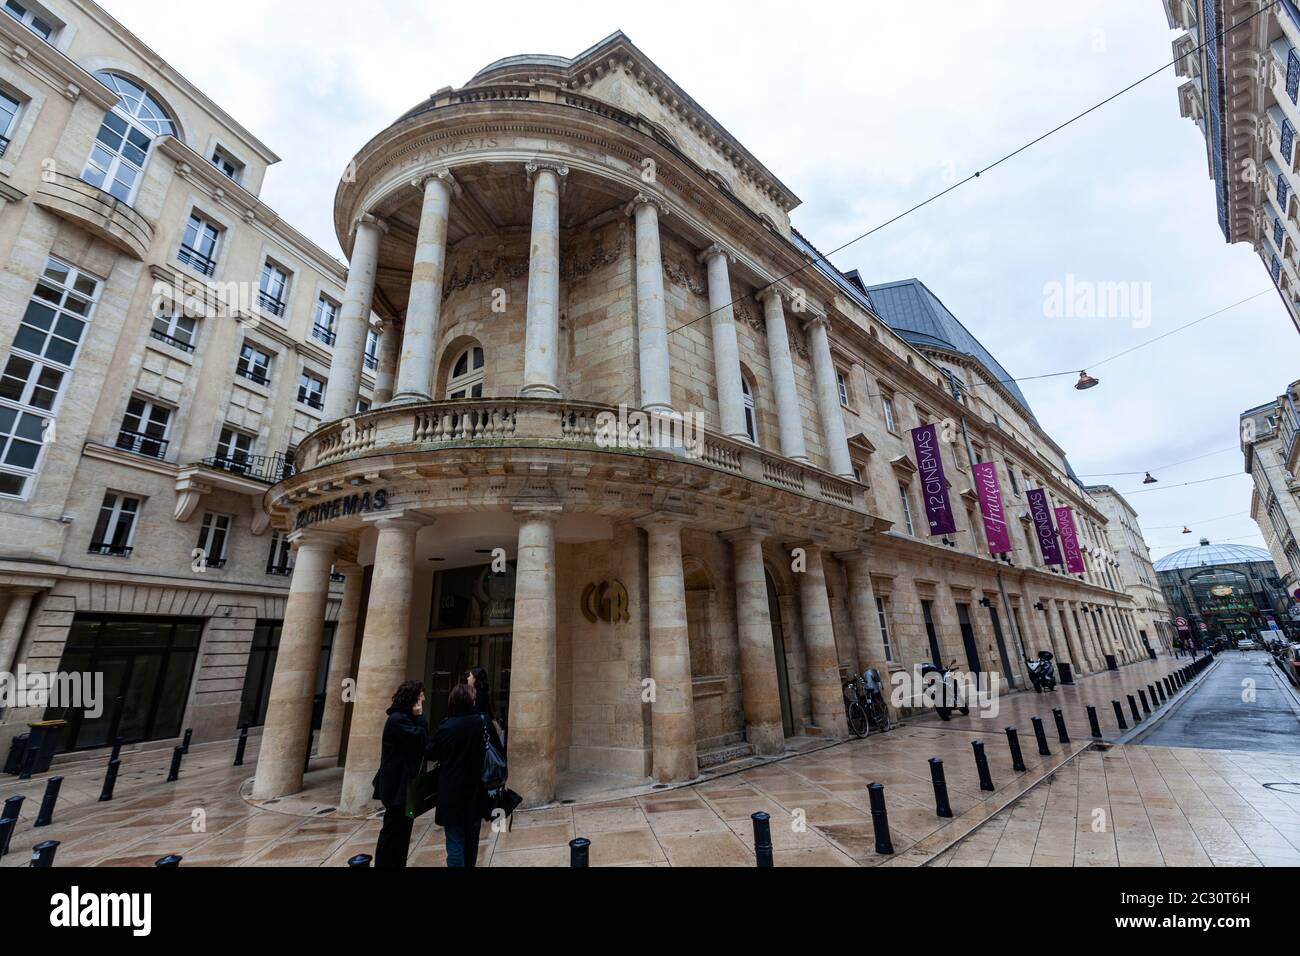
(4, 144)
(311, 399)
(196, 260)
(172, 340)
(282, 570)
(267, 468)
(214, 562)
(105, 547)
(370, 361)
(141, 444)
(252, 373)
(322, 334)
(270, 303)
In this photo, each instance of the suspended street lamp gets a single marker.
(1086, 381)
(1148, 480)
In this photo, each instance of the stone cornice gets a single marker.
(52, 66)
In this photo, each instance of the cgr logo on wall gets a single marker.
(76, 909)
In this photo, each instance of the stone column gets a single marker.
(287, 731)
(672, 712)
(384, 647)
(531, 745)
(726, 353)
(819, 644)
(354, 319)
(862, 608)
(760, 689)
(542, 333)
(390, 345)
(345, 636)
(15, 620)
(783, 385)
(420, 334)
(651, 319)
(828, 397)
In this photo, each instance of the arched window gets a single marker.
(122, 145)
(751, 419)
(466, 378)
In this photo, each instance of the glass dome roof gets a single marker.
(1208, 555)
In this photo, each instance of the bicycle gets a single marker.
(865, 704)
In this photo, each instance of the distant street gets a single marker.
(1216, 717)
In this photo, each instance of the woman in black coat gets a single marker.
(458, 747)
(403, 750)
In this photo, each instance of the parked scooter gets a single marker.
(948, 693)
(1041, 673)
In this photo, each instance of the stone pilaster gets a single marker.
(726, 351)
(345, 636)
(15, 620)
(542, 332)
(287, 731)
(651, 318)
(789, 417)
(672, 712)
(354, 320)
(760, 688)
(819, 644)
(420, 334)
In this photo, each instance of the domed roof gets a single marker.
(1208, 555)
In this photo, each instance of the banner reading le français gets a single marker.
(1070, 541)
(1041, 512)
(934, 486)
(990, 495)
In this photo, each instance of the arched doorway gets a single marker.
(778, 650)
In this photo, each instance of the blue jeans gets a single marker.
(462, 844)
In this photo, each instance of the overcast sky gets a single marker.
(863, 110)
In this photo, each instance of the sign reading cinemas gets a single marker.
(934, 486)
(1041, 512)
(345, 506)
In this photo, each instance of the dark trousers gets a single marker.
(462, 844)
(394, 837)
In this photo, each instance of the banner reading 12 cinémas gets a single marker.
(1070, 541)
(990, 495)
(934, 486)
(1041, 512)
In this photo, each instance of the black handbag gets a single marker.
(422, 792)
(495, 770)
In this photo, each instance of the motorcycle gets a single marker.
(1041, 673)
(948, 692)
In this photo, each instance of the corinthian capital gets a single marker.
(647, 199)
(533, 167)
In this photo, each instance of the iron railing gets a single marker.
(267, 468)
(196, 260)
(141, 444)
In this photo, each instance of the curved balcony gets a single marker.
(529, 423)
(94, 210)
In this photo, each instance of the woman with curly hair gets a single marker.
(405, 740)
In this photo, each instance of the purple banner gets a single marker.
(995, 519)
(1041, 512)
(934, 486)
(1070, 541)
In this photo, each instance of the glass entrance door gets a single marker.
(451, 656)
(778, 649)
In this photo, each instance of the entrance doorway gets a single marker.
(778, 649)
(968, 639)
(473, 624)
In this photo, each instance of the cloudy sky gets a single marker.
(864, 110)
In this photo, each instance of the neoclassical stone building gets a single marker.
(584, 409)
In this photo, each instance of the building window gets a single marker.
(39, 364)
(234, 446)
(145, 427)
(751, 420)
(907, 509)
(9, 108)
(842, 384)
(115, 528)
(212, 539)
(372, 348)
(279, 560)
(466, 379)
(229, 166)
(325, 320)
(931, 632)
(887, 406)
(34, 18)
(254, 364)
(274, 288)
(175, 329)
(199, 245)
(311, 390)
(1011, 476)
(882, 615)
(122, 145)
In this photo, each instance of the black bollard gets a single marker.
(361, 859)
(1093, 725)
(1146, 708)
(580, 852)
(170, 860)
(1119, 715)
(1013, 744)
(110, 780)
(1062, 734)
(1159, 689)
(189, 733)
(117, 748)
(982, 765)
(941, 806)
(880, 818)
(46, 814)
(174, 772)
(13, 806)
(43, 853)
(1041, 736)
(762, 840)
(1133, 706)
(7, 825)
(243, 742)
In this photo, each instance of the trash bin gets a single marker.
(1067, 672)
(1111, 663)
(42, 742)
(17, 746)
